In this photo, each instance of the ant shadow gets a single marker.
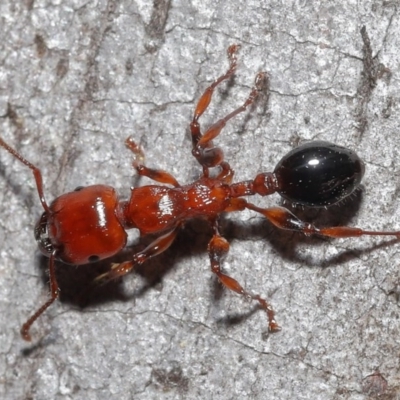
(18, 190)
(78, 289)
(77, 283)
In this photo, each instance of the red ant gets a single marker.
(90, 223)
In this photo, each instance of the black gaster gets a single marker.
(318, 174)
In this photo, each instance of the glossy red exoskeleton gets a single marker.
(90, 223)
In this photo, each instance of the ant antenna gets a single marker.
(36, 173)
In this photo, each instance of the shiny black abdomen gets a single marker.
(318, 174)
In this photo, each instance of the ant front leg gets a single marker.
(158, 246)
(284, 219)
(217, 250)
(154, 174)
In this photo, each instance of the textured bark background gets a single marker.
(78, 77)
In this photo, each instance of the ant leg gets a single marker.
(226, 173)
(54, 292)
(138, 163)
(284, 219)
(158, 246)
(209, 156)
(217, 250)
(206, 97)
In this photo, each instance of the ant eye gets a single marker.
(78, 188)
(93, 258)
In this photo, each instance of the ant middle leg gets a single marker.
(157, 175)
(217, 250)
(203, 150)
(206, 97)
(226, 173)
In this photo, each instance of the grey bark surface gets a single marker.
(78, 77)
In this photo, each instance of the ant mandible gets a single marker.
(90, 223)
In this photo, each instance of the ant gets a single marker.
(90, 223)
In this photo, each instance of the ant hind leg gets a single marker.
(286, 220)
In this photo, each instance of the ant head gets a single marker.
(82, 226)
